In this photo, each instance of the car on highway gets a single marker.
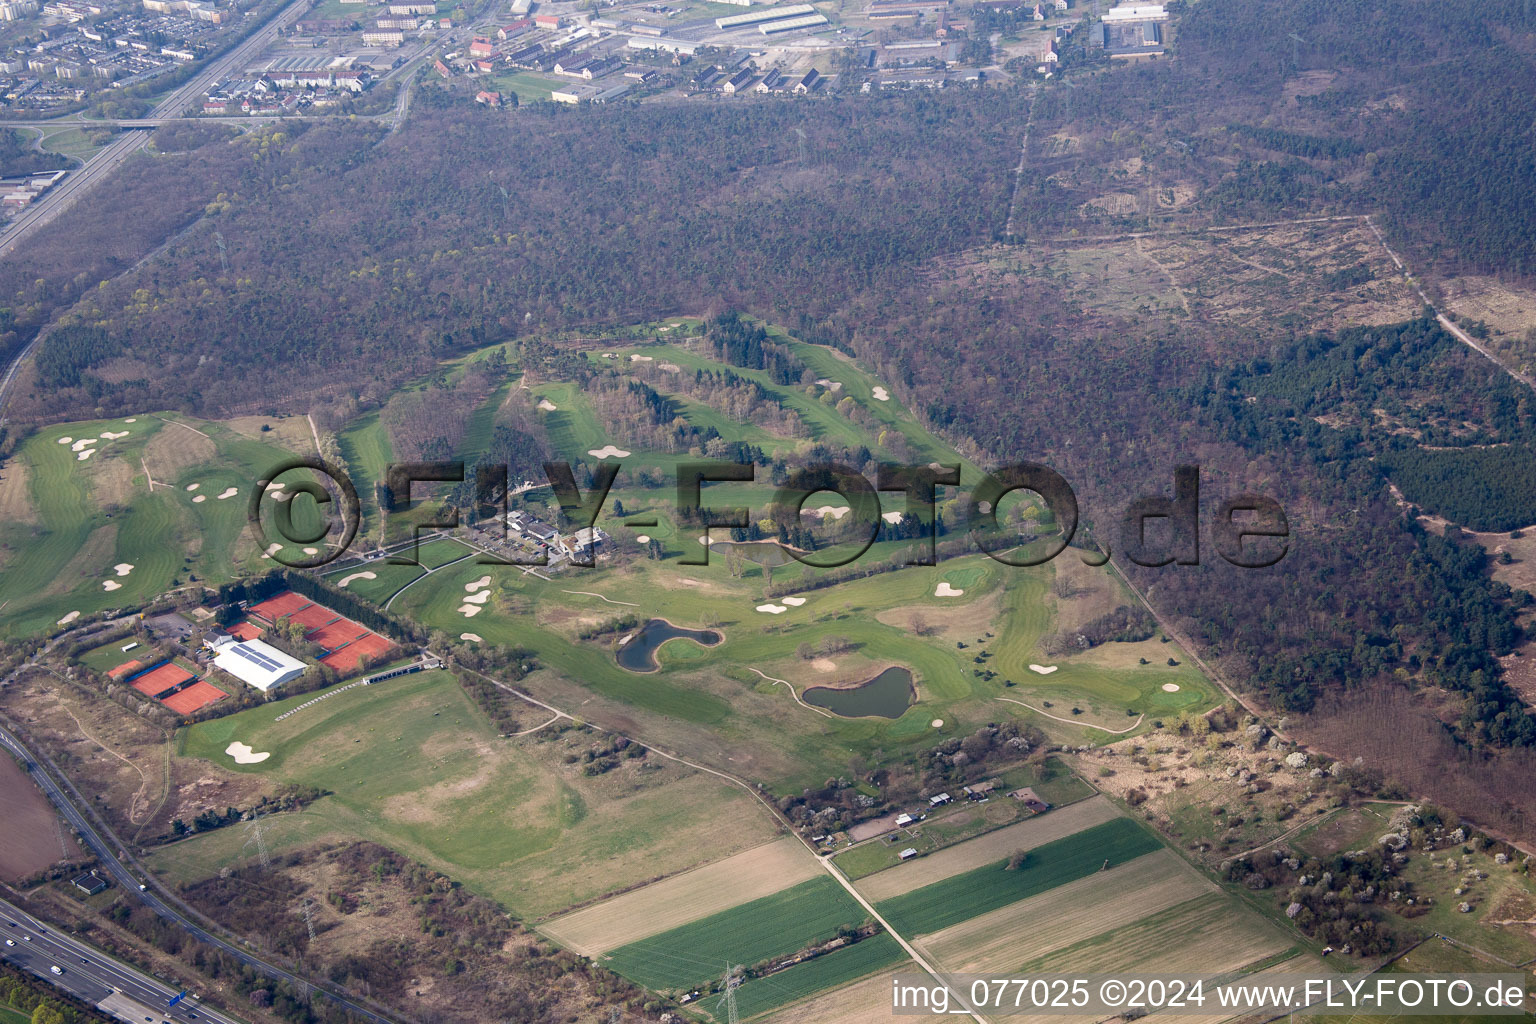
(10, 942)
(56, 969)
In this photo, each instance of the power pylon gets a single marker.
(729, 984)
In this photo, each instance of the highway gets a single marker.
(115, 863)
(89, 974)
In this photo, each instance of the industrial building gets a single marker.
(771, 14)
(791, 24)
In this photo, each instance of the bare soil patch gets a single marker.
(32, 838)
(16, 492)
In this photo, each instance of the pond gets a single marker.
(888, 695)
(639, 654)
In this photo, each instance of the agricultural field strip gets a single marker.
(986, 849)
(749, 933)
(961, 897)
(1206, 935)
(824, 973)
(685, 898)
(1079, 910)
(863, 1002)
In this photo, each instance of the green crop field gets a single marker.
(975, 892)
(834, 970)
(748, 934)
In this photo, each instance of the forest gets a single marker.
(355, 261)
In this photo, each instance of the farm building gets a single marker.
(940, 800)
(256, 664)
(907, 854)
(903, 820)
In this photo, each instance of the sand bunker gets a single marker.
(358, 576)
(945, 590)
(835, 511)
(193, 487)
(1043, 670)
(272, 549)
(772, 609)
(643, 539)
(131, 419)
(545, 405)
(480, 598)
(123, 568)
(881, 395)
(280, 495)
(228, 492)
(638, 358)
(891, 517)
(1170, 687)
(245, 755)
(66, 440)
(311, 551)
(608, 451)
(84, 442)
(113, 435)
(111, 585)
(85, 454)
(479, 584)
(938, 723)
(469, 611)
(71, 617)
(706, 540)
(475, 637)
(794, 602)
(199, 499)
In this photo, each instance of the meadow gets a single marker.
(942, 904)
(413, 764)
(749, 933)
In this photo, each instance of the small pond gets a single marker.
(888, 695)
(639, 654)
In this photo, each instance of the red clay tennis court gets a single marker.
(369, 645)
(198, 695)
(245, 631)
(334, 634)
(161, 678)
(126, 668)
(312, 616)
(275, 607)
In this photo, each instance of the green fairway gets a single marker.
(834, 970)
(773, 926)
(100, 512)
(967, 895)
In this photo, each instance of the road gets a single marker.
(56, 200)
(88, 973)
(128, 875)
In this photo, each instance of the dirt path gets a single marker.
(792, 693)
(1173, 282)
(778, 819)
(600, 597)
(133, 805)
(1076, 721)
(149, 477)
